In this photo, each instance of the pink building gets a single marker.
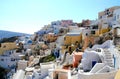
(66, 23)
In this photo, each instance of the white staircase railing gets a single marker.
(108, 58)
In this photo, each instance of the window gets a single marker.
(117, 16)
(98, 50)
(9, 52)
(105, 23)
(64, 38)
(4, 46)
(92, 32)
(114, 17)
(76, 42)
(100, 17)
(95, 27)
(33, 76)
(107, 10)
(86, 34)
(44, 32)
(70, 49)
(12, 59)
(2, 59)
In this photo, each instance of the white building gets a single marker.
(8, 55)
(25, 40)
(117, 15)
(109, 15)
(42, 72)
(6, 59)
(20, 74)
(22, 64)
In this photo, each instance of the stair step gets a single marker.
(107, 53)
(110, 63)
(108, 57)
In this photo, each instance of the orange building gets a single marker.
(77, 56)
(50, 37)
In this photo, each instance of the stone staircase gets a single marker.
(108, 58)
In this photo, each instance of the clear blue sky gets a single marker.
(28, 16)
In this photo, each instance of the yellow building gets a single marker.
(101, 31)
(89, 35)
(7, 46)
(71, 41)
(102, 28)
(72, 38)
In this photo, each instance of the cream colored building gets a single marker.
(107, 13)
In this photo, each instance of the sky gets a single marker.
(29, 16)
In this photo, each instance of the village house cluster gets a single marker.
(65, 49)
